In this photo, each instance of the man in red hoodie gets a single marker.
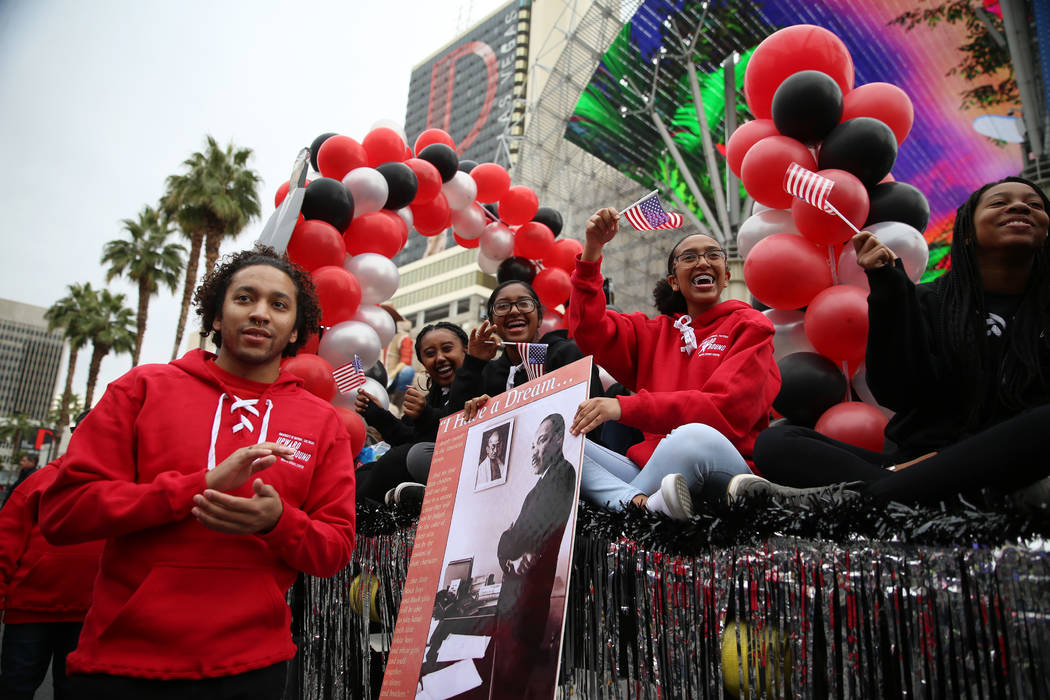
(214, 479)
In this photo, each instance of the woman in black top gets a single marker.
(964, 361)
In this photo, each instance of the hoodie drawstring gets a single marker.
(238, 403)
(688, 336)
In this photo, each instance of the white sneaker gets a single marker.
(743, 486)
(673, 499)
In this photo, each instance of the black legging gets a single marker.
(1004, 457)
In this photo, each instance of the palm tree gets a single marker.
(147, 259)
(65, 407)
(111, 327)
(69, 314)
(14, 429)
(214, 199)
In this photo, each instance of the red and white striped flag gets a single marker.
(647, 214)
(534, 357)
(350, 376)
(809, 187)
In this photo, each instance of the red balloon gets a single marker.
(552, 286)
(533, 241)
(787, 51)
(433, 217)
(339, 294)
(836, 322)
(428, 177)
(848, 196)
(563, 254)
(355, 426)
(375, 232)
(786, 271)
(315, 372)
(856, 423)
(282, 192)
(314, 244)
(518, 206)
(338, 155)
(493, 181)
(765, 164)
(466, 242)
(552, 321)
(883, 101)
(383, 145)
(746, 136)
(433, 136)
(313, 342)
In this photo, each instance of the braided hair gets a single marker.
(440, 325)
(962, 319)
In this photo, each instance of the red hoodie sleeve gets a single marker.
(16, 524)
(318, 538)
(595, 328)
(732, 400)
(95, 495)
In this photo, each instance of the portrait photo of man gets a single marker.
(492, 463)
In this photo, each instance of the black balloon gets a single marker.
(443, 158)
(810, 385)
(863, 146)
(467, 165)
(316, 146)
(401, 184)
(898, 201)
(378, 373)
(550, 218)
(516, 268)
(807, 106)
(328, 200)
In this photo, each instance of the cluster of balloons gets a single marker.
(798, 259)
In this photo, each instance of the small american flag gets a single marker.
(647, 214)
(350, 376)
(809, 187)
(534, 357)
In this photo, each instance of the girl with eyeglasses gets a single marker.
(702, 372)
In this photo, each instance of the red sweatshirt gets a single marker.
(41, 582)
(728, 382)
(175, 599)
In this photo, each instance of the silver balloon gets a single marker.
(497, 242)
(406, 215)
(906, 243)
(487, 264)
(377, 275)
(469, 223)
(380, 321)
(370, 387)
(860, 385)
(368, 188)
(342, 341)
(763, 224)
(758, 207)
(790, 333)
(849, 272)
(390, 124)
(460, 191)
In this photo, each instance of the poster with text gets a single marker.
(483, 607)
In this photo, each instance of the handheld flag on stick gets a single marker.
(813, 189)
(647, 214)
(350, 376)
(534, 357)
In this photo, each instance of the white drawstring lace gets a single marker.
(244, 405)
(688, 336)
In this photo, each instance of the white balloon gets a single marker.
(377, 275)
(789, 332)
(406, 215)
(758, 207)
(860, 385)
(497, 242)
(370, 387)
(368, 188)
(763, 224)
(849, 272)
(487, 264)
(380, 321)
(390, 124)
(460, 191)
(607, 379)
(342, 341)
(469, 223)
(906, 243)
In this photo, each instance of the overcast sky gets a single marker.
(102, 100)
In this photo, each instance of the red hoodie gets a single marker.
(728, 382)
(41, 582)
(175, 599)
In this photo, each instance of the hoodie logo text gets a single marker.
(303, 449)
(713, 345)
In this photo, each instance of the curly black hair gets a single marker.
(440, 325)
(211, 293)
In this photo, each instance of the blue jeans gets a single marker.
(28, 649)
(698, 452)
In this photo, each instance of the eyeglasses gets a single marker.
(689, 257)
(502, 308)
